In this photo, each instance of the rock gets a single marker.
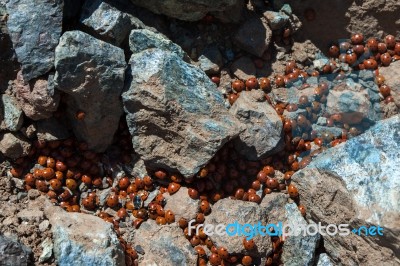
(164, 245)
(47, 246)
(342, 184)
(107, 21)
(254, 36)
(91, 72)
(232, 14)
(14, 146)
(51, 129)
(243, 68)
(35, 37)
(38, 101)
(83, 239)
(324, 260)
(13, 117)
(14, 253)
(276, 20)
(181, 204)
(44, 225)
(175, 114)
(190, 10)
(211, 60)
(142, 39)
(298, 250)
(352, 101)
(274, 205)
(391, 74)
(228, 211)
(263, 125)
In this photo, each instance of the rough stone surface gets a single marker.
(35, 36)
(263, 126)
(181, 204)
(243, 68)
(14, 146)
(392, 74)
(175, 113)
(274, 206)
(164, 245)
(11, 112)
(227, 211)
(106, 20)
(190, 10)
(357, 183)
(91, 72)
(38, 101)
(83, 239)
(14, 253)
(298, 250)
(254, 36)
(142, 39)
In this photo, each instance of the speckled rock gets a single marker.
(227, 211)
(14, 145)
(298, 250)
(190, 10)
(92, 73)
(14, 253)
(357, 183)
(164, 245)
(110, 23)
(263, 132)
(35, 37)
(11, 113)
(254, 36)
(142, 39)
(39, 100)
(175, 114)
(181, 204)
(83, 239)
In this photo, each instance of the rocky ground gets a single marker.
(123, 120)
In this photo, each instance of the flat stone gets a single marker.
(182, 205)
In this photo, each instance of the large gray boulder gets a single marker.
(175, 114)
(83, 239)
(263, 125)
(190, 10)
(92, 73)
(35, 28)
(357, 183)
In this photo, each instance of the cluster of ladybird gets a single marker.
(67, 169)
